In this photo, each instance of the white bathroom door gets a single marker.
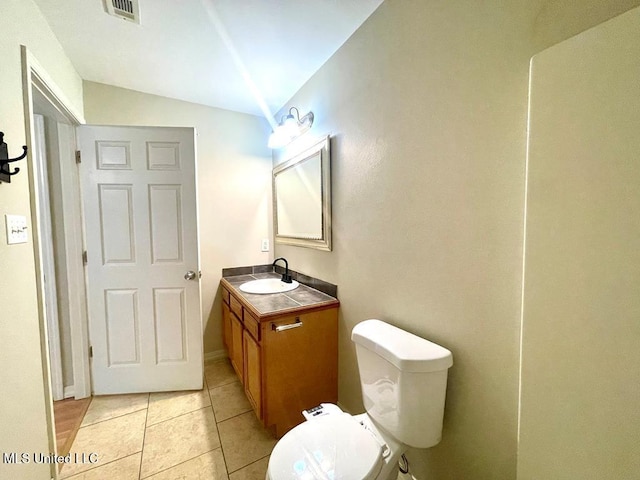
(139, 198)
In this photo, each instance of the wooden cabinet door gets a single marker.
(252, 373)
(300, 354)
(226, 329)
(237, 359)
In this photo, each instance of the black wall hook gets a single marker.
(5, 171)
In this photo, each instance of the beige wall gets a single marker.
(427, 107)
(558, 20)
(581, 357)
(234, 181)
(23, 400)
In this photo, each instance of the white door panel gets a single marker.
(141, 233)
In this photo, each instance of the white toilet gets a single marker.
(404, 380)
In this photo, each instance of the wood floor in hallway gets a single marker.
(68, 415)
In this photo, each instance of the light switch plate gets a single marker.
(16, 229)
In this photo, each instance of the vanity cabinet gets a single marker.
(237, 358)
(232, 329)
(286, 360)
(253, 377)
(226, 326)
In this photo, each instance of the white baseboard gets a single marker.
(215, 355)
(69, 392)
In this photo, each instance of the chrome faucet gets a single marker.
(286, 278)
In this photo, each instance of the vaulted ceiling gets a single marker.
(221, 53)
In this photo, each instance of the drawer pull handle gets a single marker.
(281, 328)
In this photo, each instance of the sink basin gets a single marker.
(268, 285)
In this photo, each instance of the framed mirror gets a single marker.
(302, 198)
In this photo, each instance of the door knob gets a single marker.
(190, 275)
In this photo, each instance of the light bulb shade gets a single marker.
(290, 128)
(279, 138)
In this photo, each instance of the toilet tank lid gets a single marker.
(408, 352)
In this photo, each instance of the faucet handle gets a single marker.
(286, 278)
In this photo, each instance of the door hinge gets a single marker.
(90, 351)
(84, 258)
(78, 156)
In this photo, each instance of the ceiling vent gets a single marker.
(126, 9)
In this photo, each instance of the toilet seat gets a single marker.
(332, 447)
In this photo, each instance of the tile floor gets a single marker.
(212, 434)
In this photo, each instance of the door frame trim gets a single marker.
(45, 234)
(35, 76)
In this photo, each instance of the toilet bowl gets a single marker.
(403, 379)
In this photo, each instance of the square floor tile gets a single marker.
(177, 440)
(104, 407)
(127, 468)
(208, 466)
(110, 440)
(244, 440)
(166, 405)
(254, 471)
(229, 400)
(219, 373)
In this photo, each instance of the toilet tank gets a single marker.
(404, 381)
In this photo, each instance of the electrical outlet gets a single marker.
(16, 229)
(265, 245)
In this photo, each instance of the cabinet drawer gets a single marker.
(235, 306)
(252, 324)
(225, 295)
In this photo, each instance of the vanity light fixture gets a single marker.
(289, 128)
